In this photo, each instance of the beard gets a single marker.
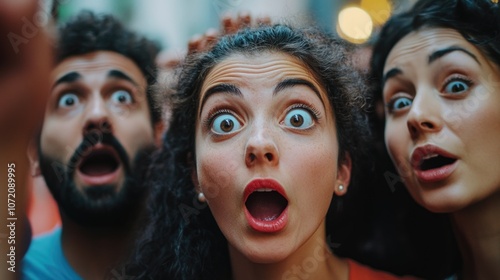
(103, 205)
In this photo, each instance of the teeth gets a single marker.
(264, 190)
(430, 156)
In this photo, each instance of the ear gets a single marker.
(343, 175)
(32, 152)
(194, 173)
(158, 132)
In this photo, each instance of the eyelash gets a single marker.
(453, 78)
(457, 77)
(215, 112)
(390, 105)
(212, 114)
(315, 113)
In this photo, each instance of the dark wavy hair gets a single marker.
(183, 240)
(433, 244)
(88, 32)
(478, 21)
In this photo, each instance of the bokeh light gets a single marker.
(354, 25)
(379, 10)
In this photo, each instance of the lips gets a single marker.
(432, 164)
(99, 166)
(266, 205)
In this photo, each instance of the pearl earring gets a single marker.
(202, 198)
(341, 188)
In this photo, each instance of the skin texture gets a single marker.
(130, 122)
(263, 144)
(450, 101)
(109, 104)
(465, 122)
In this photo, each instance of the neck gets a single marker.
(93, 252)
(477, 229)
(313, 260)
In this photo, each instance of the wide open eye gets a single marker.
(121, 97)
(399, 103)
(299, 118)
(225, 123)
(456, 86)
(68, 100)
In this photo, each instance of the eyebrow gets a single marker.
(220, 88)
(440, 53)
(120, 75)
(68, 78)
(391, 73)
(289, 83)
(432, 57)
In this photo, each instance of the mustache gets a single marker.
(91, 139)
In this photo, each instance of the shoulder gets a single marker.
(43, 245)
(45, 259)
(358, 271)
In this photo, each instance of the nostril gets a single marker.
(427, 125)
(413, 130)
(252, 157)
(91, 127)
(269, 156)
(98, 127)
(105, 126)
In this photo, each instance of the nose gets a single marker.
(97, 116)
(261, 148)
(425, 115)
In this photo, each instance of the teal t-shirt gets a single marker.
(45, 259)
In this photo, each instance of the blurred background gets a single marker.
(173, 22)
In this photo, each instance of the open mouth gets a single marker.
(266, 204)
(435, 161)
(99, 162)
(433, 164)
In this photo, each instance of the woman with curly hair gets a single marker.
(267, 134)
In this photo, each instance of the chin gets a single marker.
(267, 257)
(442, 203)
(265, 254)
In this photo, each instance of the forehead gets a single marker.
(97, 65)
(264, 69)
(426, 41)
(273, 64)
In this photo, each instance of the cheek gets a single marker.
(134, 134)
(314, 168)
(59, 146)
(393, 140)
(216, 169)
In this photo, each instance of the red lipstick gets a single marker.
(266, 205)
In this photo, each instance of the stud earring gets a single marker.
(341, 188)
(202, 198)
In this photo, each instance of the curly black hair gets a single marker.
(88, 32)
(182, 240)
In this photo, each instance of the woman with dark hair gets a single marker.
(437, 66)
(267, 133)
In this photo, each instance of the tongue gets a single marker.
(99, 165)
(266, 206)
